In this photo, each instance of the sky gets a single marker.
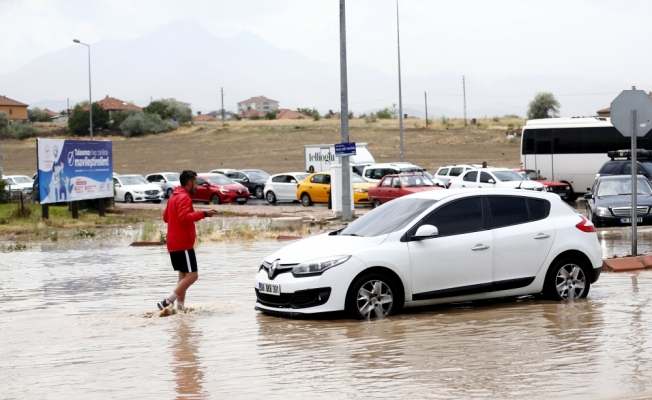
(595, 39)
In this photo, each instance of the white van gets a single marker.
(320, 157)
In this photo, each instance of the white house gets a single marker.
(260, 103)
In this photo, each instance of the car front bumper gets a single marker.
(611, 220)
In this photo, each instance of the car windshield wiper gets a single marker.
(350, 234)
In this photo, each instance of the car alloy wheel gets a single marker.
(215, 199)
(374, 299)
(168, 193)
(129, 198)
(305, 200)
(271, 198)
(376, 203)
(568, 280)
(258, 192)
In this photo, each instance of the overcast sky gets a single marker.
(604, 40)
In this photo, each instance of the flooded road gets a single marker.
(74, 321)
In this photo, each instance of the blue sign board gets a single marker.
(70, 170)
(344, 149)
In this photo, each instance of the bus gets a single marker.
(572, 150)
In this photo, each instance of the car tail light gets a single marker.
(298, 184)
(585, 225)
(448, 185)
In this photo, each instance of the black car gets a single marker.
(253, 179)
(610, 201)
(621, 163)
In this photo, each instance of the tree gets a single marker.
(159, 107)
(167, 109)
(394, 111)
(4, 120)
(78, 122)
(385, 113)
(38, 115)
(271, 114)
(120, 116)
(544, 105)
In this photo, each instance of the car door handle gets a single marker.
(541, 236)
(480, 247)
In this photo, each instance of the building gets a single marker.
(260, 103)
(15, 110)
(204, 117)
(50, 113)
(291, 114)
(606, 112)
(251, 114)
(113, 105)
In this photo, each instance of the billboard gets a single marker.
(70, 170)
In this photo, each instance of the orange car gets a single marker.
(316, 188)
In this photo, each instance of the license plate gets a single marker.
(152, 197)
(269, 288)
(241, 200)
(629, 220)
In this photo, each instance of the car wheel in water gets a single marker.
(129, 198)
(567, 279)
(259, 192)
(373, 295)
(271, 197)
(376, 203)
(215, 198)
(306, 200)
(168, 193)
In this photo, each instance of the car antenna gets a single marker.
(520, 183)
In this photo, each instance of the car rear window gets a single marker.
(442, 171)
(457, 171)
(608, 168)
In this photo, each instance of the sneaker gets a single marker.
(163, 304)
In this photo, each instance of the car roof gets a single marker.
(618, 177)
(130, 175)
(161, 173)
(249, 170)
(443, 194)
(392, 164)
(290, 173)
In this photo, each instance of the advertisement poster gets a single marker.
(70, 170)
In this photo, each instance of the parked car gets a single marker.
(436, 181)
(166, 180)
(394, 186)
(217, 188)
(375, 172)
(253, 179)
(222, 171)
(316, 188)
(621, 164)
(20, 183)
(561, 189)
(283, 187)
(438, 246)
(445, 174)
(610, 200)
(133, 188)
(488, 178)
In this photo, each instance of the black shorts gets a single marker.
(184, 260)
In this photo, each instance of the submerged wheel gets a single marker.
(129, 198)
(568, 279)
(376, 203)
(306, 200)
(271, 197)
(215, 198)
(373, 295)
(168, 193)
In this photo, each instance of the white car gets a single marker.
(499, 178)
(21, 183)
(283, 187)
(222, 171)
(445, 174)
(132, 188)
(375, 172)
(167, 181)
(432, 247)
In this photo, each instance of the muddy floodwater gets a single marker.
(76, 321)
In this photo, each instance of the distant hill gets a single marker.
(183, 60)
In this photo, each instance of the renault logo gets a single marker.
(272, 269)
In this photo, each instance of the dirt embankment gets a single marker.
(277, 146)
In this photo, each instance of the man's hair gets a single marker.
(186, 176)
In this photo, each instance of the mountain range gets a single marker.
(183, 60)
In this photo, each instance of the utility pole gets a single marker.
(222, 92)
(400, 97)
(347, 215)
(426, 97)
(68, 109)
(464, 92)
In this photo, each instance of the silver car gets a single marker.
(166, 180)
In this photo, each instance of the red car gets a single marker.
(560, 188)
(219, 189)
(393, 186)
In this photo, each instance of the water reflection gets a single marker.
(188, 374)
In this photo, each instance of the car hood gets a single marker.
(322, 246)
(523, 184)
(22, 185)
(417, 189)
(546, 182)
(623, 201)
(233, 186)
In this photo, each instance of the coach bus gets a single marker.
(572, 150)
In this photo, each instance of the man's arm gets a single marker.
(187, 212)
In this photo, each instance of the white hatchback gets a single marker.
(498, 178)
(135, 188)
(283, 187)
(434, 247)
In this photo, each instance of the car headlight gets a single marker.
(317, 266)
(602, 211)
(548, 189)
(361, 190)
(224, 191)
(138, 192)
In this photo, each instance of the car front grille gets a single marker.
(627, 211)
(151, 192)
(298, 299)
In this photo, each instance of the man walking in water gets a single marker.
(181, 217)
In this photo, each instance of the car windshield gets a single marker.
(172, 177)
(9, 181)
(623, 187)
(388, 218)
(256, 175)
(506, 176)
(355, 178)
(22, 179)
(219, 180)
(133, 180)
(411, 169)
(531, 175)
(416, 181)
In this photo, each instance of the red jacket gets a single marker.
(181, 217)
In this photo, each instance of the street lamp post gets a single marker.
(90, 101)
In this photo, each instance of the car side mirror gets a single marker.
(491, 181)
(245, 179)
(206, 184)
(293, 181)
(118, 185)
(426, 232)
(161, 181)
(588, 196)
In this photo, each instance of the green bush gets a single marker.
(271, 115)
(120, 116)
(78, 122)
(307, 111)
(496, 119)
(168, 108)
(4, 120)
(4, 192)
(385, 113)
(38, 115)
(22, 131)
(511, 116)
(142, 123)
(370, 118)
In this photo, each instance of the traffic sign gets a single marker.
(347, 149)
(621, 112)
